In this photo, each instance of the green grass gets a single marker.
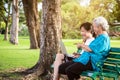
(15, 56)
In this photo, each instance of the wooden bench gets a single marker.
(110, 69)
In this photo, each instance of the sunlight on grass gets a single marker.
(15, 56)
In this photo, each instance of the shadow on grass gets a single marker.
(16, 74)
(17, 49)
(10, 76)
(20, 75)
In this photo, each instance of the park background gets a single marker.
(19, 49)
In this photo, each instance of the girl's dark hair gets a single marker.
(88, 26)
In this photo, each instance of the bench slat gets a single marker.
(113, 55)
(112, 61)
(115, 50)
(111, 68)
(109, 74)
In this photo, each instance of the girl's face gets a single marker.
(85, 34)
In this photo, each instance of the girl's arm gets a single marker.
(84, 47)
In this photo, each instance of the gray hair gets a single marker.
(101, 21)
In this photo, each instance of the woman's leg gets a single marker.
(58, 60)
(62, 68)
(74, 69)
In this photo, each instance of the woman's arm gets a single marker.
(84, 47)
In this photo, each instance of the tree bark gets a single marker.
(6, 31)
(33, 22)
(50, 37)
(15, 21)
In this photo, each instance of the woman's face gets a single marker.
(95, 28)
(85, 34)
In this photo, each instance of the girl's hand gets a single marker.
(79, 45)
(76, 56)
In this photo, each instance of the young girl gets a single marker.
(87, 35)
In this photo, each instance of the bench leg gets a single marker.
(93, 78)
(116, 78)
(101, 78)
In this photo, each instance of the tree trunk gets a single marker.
(50, 37)
(6, 20)
(33, 22)
(15, 20)
(50, 32)
(6, 31)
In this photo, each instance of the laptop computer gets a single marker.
(63, 49)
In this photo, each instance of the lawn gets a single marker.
(20, 56)
(14, 56)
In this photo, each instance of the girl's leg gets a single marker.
(58, 60)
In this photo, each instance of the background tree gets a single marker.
(103, 8)
(116, 11)
(23, 29)
(33, 22)
(1, 18)
(2, 26)
(15, 22)
(5, 14)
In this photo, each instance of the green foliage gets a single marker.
(73, 14)
(2, 25)
(115, 38)
(39, 0)
(2, 12)
(116, 11)
(22, 19)
(115, 28)
(23, 31)
(104, 8)
(5, 18)
(71, 20)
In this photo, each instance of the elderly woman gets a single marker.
(94, 53)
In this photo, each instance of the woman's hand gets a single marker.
(76, 55)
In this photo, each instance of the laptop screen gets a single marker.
(62, 46)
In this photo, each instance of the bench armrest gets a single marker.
(99, 66)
